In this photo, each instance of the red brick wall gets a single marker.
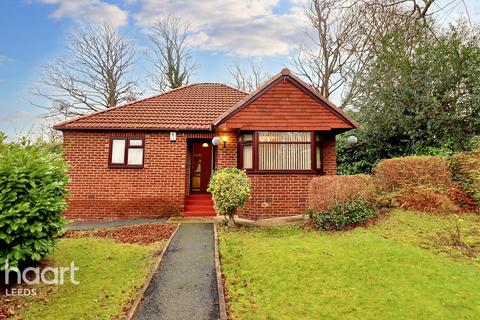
(227, 156)
(277, 195)
(98, 192)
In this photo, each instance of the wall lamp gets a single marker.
(217, 140)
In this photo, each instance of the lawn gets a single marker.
(110, 276)
(402, 268)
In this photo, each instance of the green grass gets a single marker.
(110, 276)
(377, 273)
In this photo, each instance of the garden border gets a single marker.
(141, 294)
(218, 270)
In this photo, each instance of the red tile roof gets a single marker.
(192, 107)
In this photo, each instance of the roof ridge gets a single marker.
(61, 124)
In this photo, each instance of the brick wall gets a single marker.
(98, 192)
(101, 193)
(277, 195)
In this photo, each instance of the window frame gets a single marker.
(255, 152)
(125, 164)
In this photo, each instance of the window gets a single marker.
(127, 152)
(276, 151)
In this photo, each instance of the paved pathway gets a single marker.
(185, 286)
(112, 224)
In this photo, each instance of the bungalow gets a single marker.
(154, 157)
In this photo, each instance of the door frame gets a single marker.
(190, 161)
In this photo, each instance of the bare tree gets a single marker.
(172, 62)
(341, 40)
(92, 76)
(248, 78)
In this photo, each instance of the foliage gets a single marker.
(342, 215)
(421, 95)
(360, 268)
(466, 170)
(110, 276)
(394, 174)
(424, 198)
(230, 188)
(324, 191)
(33, 186)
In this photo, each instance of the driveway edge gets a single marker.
(218, 271)
(141, 294)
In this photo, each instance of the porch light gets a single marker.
(205, 145)
(224, 139)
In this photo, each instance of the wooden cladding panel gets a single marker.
(285, 106)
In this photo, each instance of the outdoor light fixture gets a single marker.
(216, 141)
(205, 145)
(352, 140)
(224, 139)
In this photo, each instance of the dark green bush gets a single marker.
(343, 215)
(33, 185)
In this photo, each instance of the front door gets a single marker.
(201, 166)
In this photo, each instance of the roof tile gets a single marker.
(192, 107)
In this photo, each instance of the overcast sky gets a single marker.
(33, 32)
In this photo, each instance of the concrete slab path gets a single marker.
(185, 286)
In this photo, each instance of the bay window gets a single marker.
(277, 151)
(126, 152)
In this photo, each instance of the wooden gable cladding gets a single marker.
(284, 105)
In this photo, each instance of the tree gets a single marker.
(93, 75)
(342, 37)
(250, 78)
(421, 95)
(172, 62)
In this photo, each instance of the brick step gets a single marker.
(199, 214)
(199, 207)
(199, 202)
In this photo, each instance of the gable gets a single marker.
(286, 105)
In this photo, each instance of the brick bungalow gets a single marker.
(154, 157)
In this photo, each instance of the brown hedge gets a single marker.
(326, 190)
(399, 173)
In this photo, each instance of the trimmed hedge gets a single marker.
(324, 191)
(398, 173)
(343, 215)
(33, 186)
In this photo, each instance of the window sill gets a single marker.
(283, 172)
(124, 166)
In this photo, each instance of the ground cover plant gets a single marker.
(406, 266)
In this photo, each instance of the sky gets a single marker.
(34, 32)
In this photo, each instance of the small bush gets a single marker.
(230, 190)
(324, 191)
(32, 197)
(426, 199)
(343, 215)
(398, 173)
(466, 170)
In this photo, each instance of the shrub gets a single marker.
(426, 199)
(342, 215)
(324, 191)
(230, 190)
(32, 197)
(466, 170)
(398, 173)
